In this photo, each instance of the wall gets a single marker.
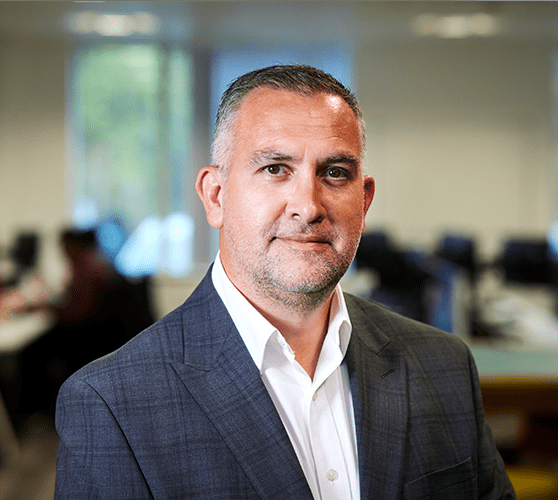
(459, 137)
(32, 187)
(32, 162)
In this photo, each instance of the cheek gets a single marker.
(350, 230)
(249, 214)
(259, 208)
(261, 213)
(349, 213)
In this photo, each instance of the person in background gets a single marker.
(87, 322)
(269, 382)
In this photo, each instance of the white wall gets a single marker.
(32, 187)
(32, 159)
(459, 137)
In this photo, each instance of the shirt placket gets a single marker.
(328, 454)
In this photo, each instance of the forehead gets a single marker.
(266, 112)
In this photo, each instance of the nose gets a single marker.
(305, 202)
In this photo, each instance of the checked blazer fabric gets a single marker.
(180, 412)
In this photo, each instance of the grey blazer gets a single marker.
(180, 412)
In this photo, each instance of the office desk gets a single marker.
(515, 362)
(20, 330)
(520, 397)
(16, 333)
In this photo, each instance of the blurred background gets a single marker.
(106, 114)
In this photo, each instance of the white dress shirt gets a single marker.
(317, 414)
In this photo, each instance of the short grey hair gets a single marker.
(298, 78)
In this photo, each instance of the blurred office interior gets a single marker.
(106, 112)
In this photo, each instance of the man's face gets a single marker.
(294, 199)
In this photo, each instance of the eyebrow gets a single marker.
(343, 159)
(266, 156)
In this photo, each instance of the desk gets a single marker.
(520, 398)
(515, 362)
(20, 330)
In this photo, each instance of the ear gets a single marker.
(209, 186)
(369, 190)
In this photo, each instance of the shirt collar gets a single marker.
(255, 330)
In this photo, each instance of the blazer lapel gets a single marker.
(221, 376)
(379, 392)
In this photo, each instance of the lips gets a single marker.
(303, 239)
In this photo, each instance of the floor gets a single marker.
(30, 476)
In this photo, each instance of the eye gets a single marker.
(336, 173)
(274, 169)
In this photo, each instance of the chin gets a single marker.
(304, 282)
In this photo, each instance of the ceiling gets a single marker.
(217, 22)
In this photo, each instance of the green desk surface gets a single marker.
(516, 361)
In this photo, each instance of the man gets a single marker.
(268, 382)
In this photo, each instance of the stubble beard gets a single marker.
(306, 291)
(269, 272)
(305, 294)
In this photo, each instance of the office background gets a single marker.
(460, 104)
(461, 126)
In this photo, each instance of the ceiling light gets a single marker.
(82, 22)
(424, 25)
(453, 27)
(458, 26)
(484, 24)
(113, 24)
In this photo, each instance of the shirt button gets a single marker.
(332, 475)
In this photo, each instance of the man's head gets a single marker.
(293, 78)
(75, 242)
(291, 198)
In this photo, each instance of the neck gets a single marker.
(302, 317)
(304, 328)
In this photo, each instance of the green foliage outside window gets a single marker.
(125, 98)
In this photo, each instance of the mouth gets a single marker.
(304, 241)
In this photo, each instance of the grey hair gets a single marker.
(302, 79)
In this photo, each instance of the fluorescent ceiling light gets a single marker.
(457, 26)
(86, 23)
(114, 25)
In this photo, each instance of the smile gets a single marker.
(306, 242)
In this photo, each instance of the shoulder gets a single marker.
(379, 329)
(190, 330)
(368, 314)
(435, 365)
(139, 359)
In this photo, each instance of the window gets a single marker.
(129, 125)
